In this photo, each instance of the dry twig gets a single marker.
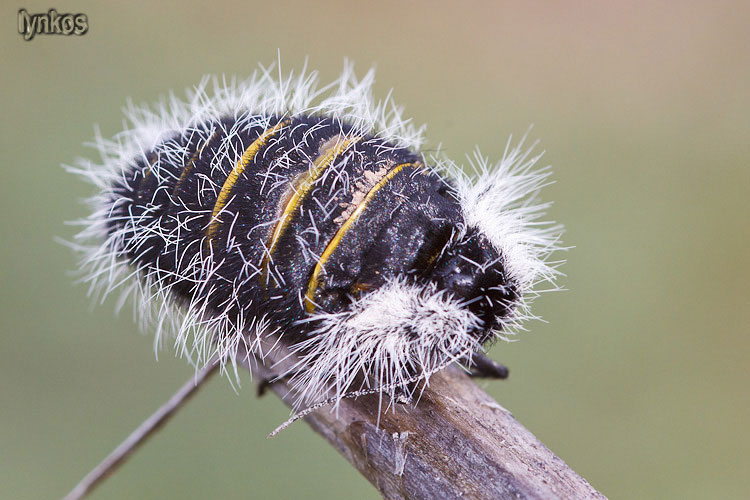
(457, 442)
(136, 438)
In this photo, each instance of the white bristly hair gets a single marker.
(501, 200)
(392, 333)
(389, 333)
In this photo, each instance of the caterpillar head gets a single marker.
(473, 272)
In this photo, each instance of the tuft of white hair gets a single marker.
(501, 200)
(377, 334)
(392, 334)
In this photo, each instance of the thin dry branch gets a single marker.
(457, 442)
(147, 428)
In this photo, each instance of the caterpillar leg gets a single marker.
(263, 386)
(483, 367)
(480, 367)
(265, 383)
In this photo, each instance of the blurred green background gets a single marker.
(639, 380)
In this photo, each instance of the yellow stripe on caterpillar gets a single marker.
(334, 243)
(328, 154)
(234, 175)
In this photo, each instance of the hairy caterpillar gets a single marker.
(276, 208)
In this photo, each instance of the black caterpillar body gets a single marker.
(274, 209)
(303, 215)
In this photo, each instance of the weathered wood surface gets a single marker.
(457, 442)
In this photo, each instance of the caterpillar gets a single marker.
(277, 208)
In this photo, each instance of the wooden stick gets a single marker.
(136, 438)
(455, 443)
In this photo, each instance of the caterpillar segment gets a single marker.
(231, 180)
(299, 188)
(314, 283)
